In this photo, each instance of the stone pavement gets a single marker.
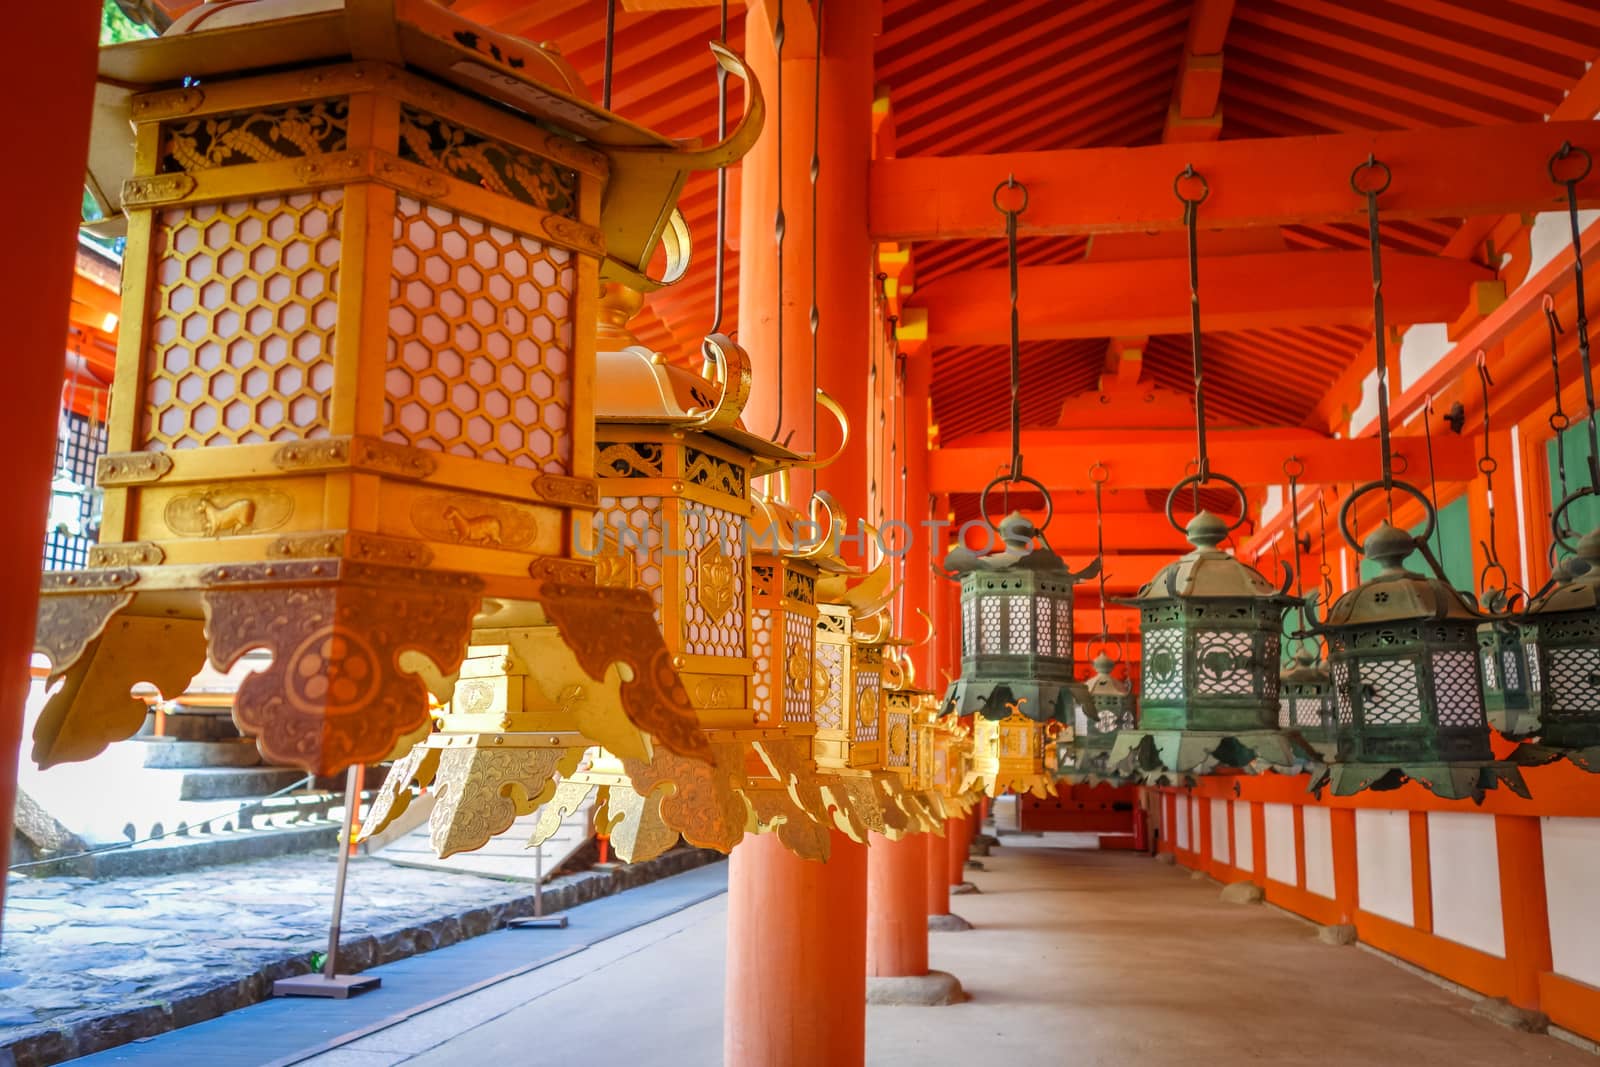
(87, 965)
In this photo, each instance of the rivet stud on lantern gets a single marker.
(1210, 626)
(1403, 647)
(353, 416)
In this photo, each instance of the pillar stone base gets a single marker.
(933, 989)
(974, 865)
(963, 888)
(1337, 935)
(948, 923)
(1166, 857)
(1503, 1012)
(1242, 893)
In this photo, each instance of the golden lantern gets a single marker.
(353, 416)
(908, 713)
(675, 473)
(1014, 754)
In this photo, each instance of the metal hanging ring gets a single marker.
(1362, 490)
(1567, 151)
(1488, 465)
(1104, 643)
(1372, 165)
(1099, 474)
(1199, 480)
(1399, 458)
(1559, 532)
(1189, 174)
(1293, 469)
(1012, 184)
(1008, 480)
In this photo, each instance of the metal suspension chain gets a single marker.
(611, 44)
(721, 262)
(1433, 481)
(1324, 568)
(1565, 152)
(816, 172)
(1098, 474)
(1379, 331)
(1558, 418)
(1191, 217)
(1011, 184)
(1294, 469)
(1487, 465)
(780, 224)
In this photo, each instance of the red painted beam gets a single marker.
(1099, 299)
(1157, 464)
(1267, 182)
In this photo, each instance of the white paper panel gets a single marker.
(1280, 842)
(1464, 872)
(1571, 873)
(1383, 864)
(1243, 836)
(1319, 850)
(1219, 830)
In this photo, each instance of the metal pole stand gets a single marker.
(330, 983)
(539, 920)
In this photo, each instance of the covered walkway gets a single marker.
(1076, 957)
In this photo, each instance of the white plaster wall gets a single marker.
(1183, 821)
(1421, 346)
(1279, 828)
(1219, 831)
(1464, 872)
(1571, 873)
(1244, 842)
(1383, 864)
(1194, 823)
(1319, 850)
(1552, 236)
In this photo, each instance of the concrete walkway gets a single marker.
(1077, 958)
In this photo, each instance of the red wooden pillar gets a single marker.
(796, 977)
(49, 66)
(796, 990)
(1523, 905)
(1342, 828)
(958, 839)
(897, 906)
(938, 870)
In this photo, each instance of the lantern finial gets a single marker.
(1205, 530)
(1389, 546)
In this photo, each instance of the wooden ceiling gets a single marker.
(974, 76)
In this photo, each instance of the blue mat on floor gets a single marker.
(286, 1030)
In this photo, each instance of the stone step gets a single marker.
(171, 855)
(217, 783)
(192, 724)
(170, 753)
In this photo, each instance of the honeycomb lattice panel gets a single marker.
(799, 638)
(989, 626)
(969, 627)
(242, 329)
(761, 625)
(631, 529)
(869, 694)
(1019, 626)
(480, 341)
(714, 582)
(1574, 680)
(830, 665)
(1341, 692)
(1042, 611)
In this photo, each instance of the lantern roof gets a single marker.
(1104, 683)
(1305, 669)
(1577, 583)
(1017, 552)
(1208, 572)
(775, 522)
(215, 41)
(637, 386)
(1395, 594)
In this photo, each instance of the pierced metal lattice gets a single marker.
(1163, 665)
(762, 622)
(798, 646)
(480, 341)
(830, 685)
(1224, 663)
(1341, 689)
(1389, 693)
(1574, 681)
(242, 331)
(713, 574)
(1457, 694)
(1019, 626)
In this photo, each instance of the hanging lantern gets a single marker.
(675, 472)
(1210, 625)
(1560, 628)
(908, 710)
(1402, 647)
(1112, 707)
(1503, 659)
(67, 497)
(1305, 701)
(1560, 633)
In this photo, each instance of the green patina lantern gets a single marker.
(1305, 701)
(1111, 708)
(1560, 633)
(1016, 629)
(1503, 661)
(1403, 649)
(1211, 627)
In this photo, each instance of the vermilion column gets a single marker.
(796, 986)
(897, 907)
(938, 872)
(49, 68)
(958, 840)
